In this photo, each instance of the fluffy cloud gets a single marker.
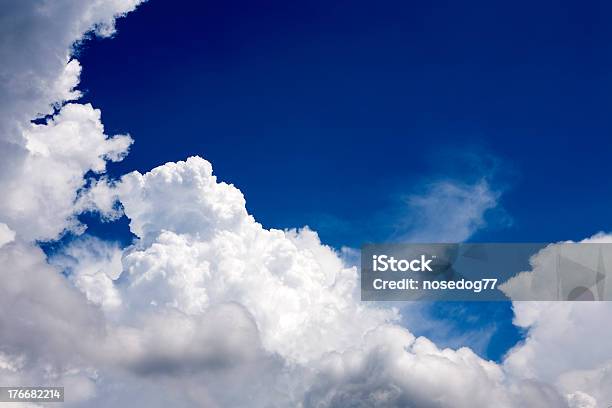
(92, 265)
(222, 310)
(6, 235)
(38, 37)
(207, 307)
(42, 166)
(48, 332)
(47, 328)
(207, 250)
(571, 333)
(39, 196)
(219, 309)
(332, 349)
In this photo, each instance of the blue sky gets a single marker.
(331, 115)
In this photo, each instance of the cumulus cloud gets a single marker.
(220, 298)
(219, 305)
(92, 265)
(47, 327)
(299, 291)
(572, 332)
(48, 332)
(39, 196)
(38, 38)
(207, 307)
(6, 234)
(42, 166)
(223, 310)
(332, 349)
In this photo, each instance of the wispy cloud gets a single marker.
(447, 211)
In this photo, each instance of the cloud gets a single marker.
(222, 310)
(38, 38)
(581, 400)
(48, 332)
(92, 265)
(39, 196)
(448, 211)
(205, 207)
(207, 307)
(315, 334)
(332, 349)
(571, 331)
(295, 287)
(42, 166)
(6, 235)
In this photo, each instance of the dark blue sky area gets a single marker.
(327, 113)
(324, 113)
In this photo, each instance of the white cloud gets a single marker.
(222, 310)
(37, 41)
(48, 331)
(209, 308)
(201, 248)
(300, 296)
(581, 400)
(302, 300)
(39, 196)
(92, 265)
(48, 328)
(42, 166)
(6, 235)
(205, 207)
(566, 346)
(448, 211)
(565, 342)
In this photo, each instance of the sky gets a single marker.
(186, 186)
(341, 110)
(334, 115)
